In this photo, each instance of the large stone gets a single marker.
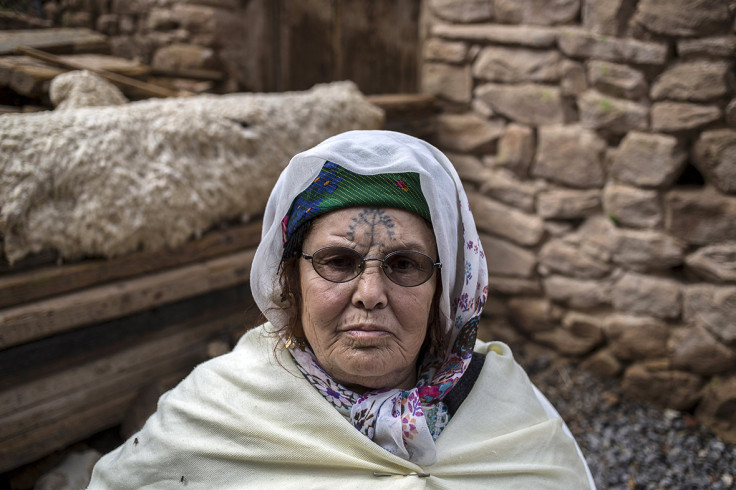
(184, 56)
(528, 65)
(469, 168)
(75, 89)
(506, 259)
(648, 160)
(570, 155)
(583, 294)
(454, 83)
(467, 132)
(502, 185)
(533, 314)
(607, 18)
(499, 219)
(462, 10)
(445, 51)
(700, 216)
(715, 47)
(714, 155)
(695, 81)
(565, 342)
(633, 338)
(574, 81)
(514, 286)
(647, 250)
(531, 36)
(602, 364)
(669, 117)
(152, 174)
(696, 350)
(527, 103)
(632, 206)
(516, 149)
(568, 203)
(584, 326)
(565, 258)
(717, 410)
(612, 114)
(683, 18)
(541, 12)
(731, 113)
(669, 389)
(645, 295)
(715, 263)
(617, 80)
(597, 237)
(583, 44)
(713, 308)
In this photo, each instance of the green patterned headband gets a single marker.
(336, 188)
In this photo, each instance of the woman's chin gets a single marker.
(373, 368)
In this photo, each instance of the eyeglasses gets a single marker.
(406, 268)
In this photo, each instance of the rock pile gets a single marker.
(599, 140)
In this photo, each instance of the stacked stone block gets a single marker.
(169, 35)
(598, 142)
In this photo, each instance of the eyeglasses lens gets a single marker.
(342, 264)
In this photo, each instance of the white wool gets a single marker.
(106, 181)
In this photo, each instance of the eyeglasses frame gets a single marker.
(361, 267)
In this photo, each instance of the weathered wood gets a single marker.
(190, 73)
(67, 312)
(125, 83)
(59, 40)
(25, 75)
(31, 285)
(54, 411)
(404, 105)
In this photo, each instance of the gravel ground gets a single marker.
(630, 445)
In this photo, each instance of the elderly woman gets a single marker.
(368, 373)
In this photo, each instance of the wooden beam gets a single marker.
(120, 80)
(22, 287)
(22, 324)
(57, 40)
(52, 412)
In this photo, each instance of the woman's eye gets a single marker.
(339, 262)
(403, 264)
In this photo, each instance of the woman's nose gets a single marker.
(370, 293)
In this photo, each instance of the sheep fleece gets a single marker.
(106, 181)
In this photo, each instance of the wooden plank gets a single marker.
(30, 77)
(404, 105)
(53, 412)
(44, 440)
(191, 73)
(378, 44)
(125, 83)
(26, 286)
(58, 40)
(115, 366)
(26, 323)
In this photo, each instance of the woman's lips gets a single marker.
(366, 331)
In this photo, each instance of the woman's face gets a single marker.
(368, 331)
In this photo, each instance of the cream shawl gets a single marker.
(250, 420)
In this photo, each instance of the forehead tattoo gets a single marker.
(370, 219)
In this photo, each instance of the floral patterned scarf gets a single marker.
(394, 419)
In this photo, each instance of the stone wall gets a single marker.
(169, 34)
(598, 140)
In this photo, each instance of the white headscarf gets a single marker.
(464, 276)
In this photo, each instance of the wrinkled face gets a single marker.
(367, 332)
